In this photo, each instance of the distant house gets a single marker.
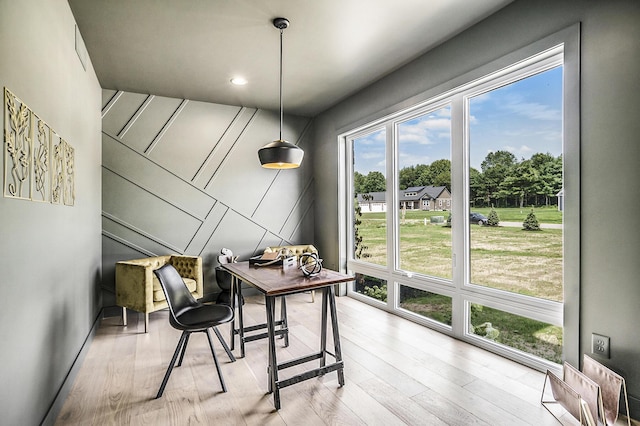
(425, 198)
(372, 202)
(431, 198)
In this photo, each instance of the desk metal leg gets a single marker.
(336, 334)
(240, 316)
(283, 319)
(323, 330)
(236, 299)
(273, 363)
(232, 341)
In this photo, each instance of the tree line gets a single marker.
(503, 181)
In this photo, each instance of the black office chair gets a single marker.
(190, 316)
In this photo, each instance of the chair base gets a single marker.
(181, 348)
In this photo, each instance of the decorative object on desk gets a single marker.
(283, 257)
(297, 250)
(280, 154)
(310, 264)
(226, 256)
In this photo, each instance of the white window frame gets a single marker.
(561, 47)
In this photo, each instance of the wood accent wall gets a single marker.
(183, 176)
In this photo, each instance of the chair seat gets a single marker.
(202, 316)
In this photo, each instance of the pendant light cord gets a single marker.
(281, 115)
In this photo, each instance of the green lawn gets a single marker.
(505, 258)
(544, 214)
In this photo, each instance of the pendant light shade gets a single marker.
(280, 154)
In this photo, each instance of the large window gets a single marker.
(515, 171)
(369, 190)
(424, 192)
(458, 211)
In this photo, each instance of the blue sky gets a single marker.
(523, 118)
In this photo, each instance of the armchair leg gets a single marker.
(124, 316)
(146, 322)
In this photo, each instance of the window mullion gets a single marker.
(458, 209)
(392, 211)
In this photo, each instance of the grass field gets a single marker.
(505, 258)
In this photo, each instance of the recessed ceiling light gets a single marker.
(239, 81)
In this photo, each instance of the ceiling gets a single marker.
(333, 48)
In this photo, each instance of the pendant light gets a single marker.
(280, 154)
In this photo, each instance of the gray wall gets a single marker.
(49, 254)
(182, 176)
(610, 153)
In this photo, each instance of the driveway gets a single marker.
(542, 225)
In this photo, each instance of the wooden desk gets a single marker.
(274, 282)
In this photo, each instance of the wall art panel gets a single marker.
(38, 164)
(41, 178)
(18, 134)
(62, 171)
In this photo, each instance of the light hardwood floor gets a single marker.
(396, 373)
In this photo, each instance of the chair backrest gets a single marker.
(175, 290)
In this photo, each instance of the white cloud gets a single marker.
(481, 98)
(406, 160)
(371, 155)
(426, 131)
(372, 139)
(532, 110)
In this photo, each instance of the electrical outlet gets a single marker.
(600, 345)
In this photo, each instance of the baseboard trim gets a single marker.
(67, 384)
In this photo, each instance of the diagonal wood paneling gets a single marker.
(144, 130)
(121, 110)
(121, 160)
(241, 169)
(219, 153)
(184, 176)
(152, 215)
(186, 144)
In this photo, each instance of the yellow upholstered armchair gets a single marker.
(297, 250)
(138, 289)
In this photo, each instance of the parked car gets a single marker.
(478, 218)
